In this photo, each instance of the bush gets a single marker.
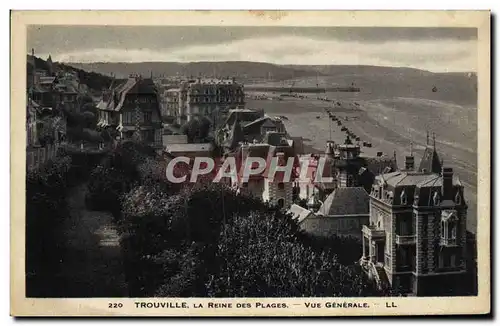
(209, 241)
(45, 210)
(116, 175)
(197, 129)
(259, 256)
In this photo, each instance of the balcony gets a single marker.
(373, 232)
(405, 239)
(448, 242)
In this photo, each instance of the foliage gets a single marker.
(347, 249)
(259, 256)
(117, 173)
(209, 241)
(45, 209)
(86, 135)
(93, 80)
(90, 119)
(206, 240)
(197, 129)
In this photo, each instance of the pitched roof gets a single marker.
(173, 148)
(299, 212)
(419, 179)
(346, 201)
(275, 139)
(236, 136)
(377, 165)
(430, 161)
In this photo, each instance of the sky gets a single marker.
(433, 49)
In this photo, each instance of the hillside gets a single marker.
(241, 69)
(384, 82)
(93, 80)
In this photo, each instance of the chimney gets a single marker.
(447, 175)
(281, 158)
(409, 163)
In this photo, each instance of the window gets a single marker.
(404, 198)
(436, 198)
(449, 225)
(452, 230)
(281, 186)
(453, 260)
(281, 203)
(458, 198)
(147, 116)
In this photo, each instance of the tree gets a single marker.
(259, 255)
(90, 119)
(45, 209)
(197, 129)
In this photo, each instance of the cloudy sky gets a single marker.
(434, 49)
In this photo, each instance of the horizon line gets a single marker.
(261, 62)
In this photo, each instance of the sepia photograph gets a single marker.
(328, 169)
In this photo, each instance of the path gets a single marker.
(92, 264)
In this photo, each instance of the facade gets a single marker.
(416, 237)
(32, 119)
(344, 212)
(276, 190)
(170, 99)
(50, 88)
(212, 98)
(133, 109)
(348, 163)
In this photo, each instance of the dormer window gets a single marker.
(449, 225)
(458, 198)
(435, 198)
(404, 198)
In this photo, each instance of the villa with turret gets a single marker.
(415, 240)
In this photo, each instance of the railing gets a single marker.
(373, 232)
(405, 239)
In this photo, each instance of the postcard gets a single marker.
(250, 163)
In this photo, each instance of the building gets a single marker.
(170, 99)
(240, 128)
(415, 240)
(133, 109)
(300, 213)
(189, 150)
(244, 116)
(320, 188)
(51, 88)
(174, 139)
(276, 190)
(344, 212)
(32, 121)
(348, 163)
(259, 128)
(212, 98)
